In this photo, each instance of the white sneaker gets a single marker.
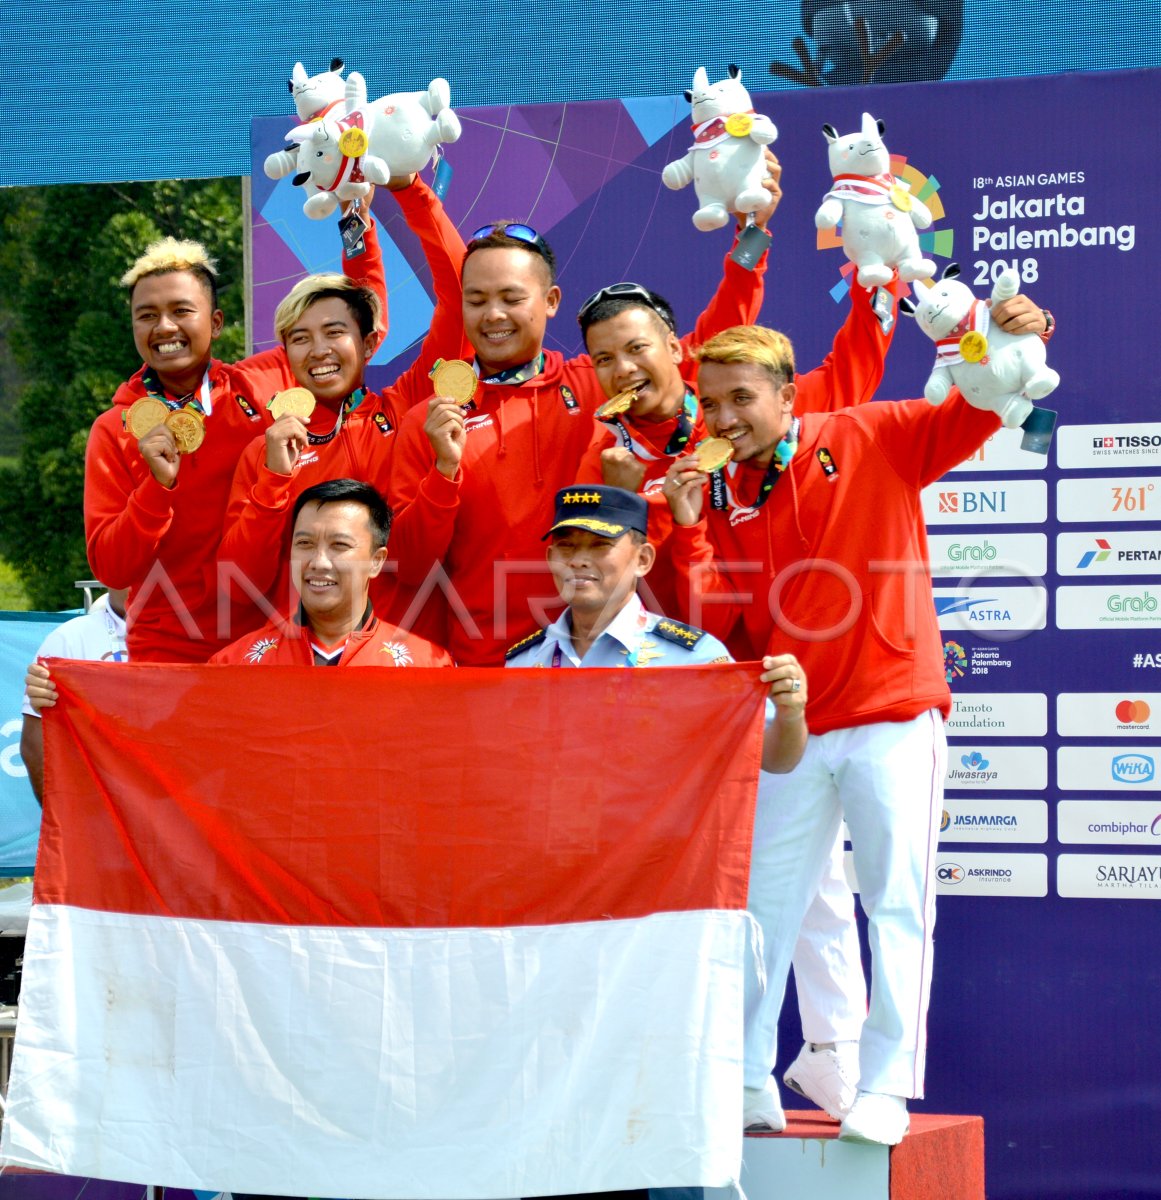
(876, 1119)
(762, 1109)
(826, 1077)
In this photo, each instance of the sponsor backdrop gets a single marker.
(1046, 568)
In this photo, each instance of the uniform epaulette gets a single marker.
(533, 639)
(679, 634)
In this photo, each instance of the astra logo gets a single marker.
(1133, 768)
(950, 873)
(1098, 555)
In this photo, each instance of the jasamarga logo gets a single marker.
(1133, 768)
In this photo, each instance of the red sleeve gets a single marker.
(853, 369)
(737, 301)
(127, 512)
(922, 442)
(425, 502)
(589, 469)
(704, 591)
(367, 268)
(255, 520)
(444, 249)
(260, 376)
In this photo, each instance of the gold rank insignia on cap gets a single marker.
(581, 498)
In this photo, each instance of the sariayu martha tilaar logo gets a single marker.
(975, 767)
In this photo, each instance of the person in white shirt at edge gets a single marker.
(97, 636)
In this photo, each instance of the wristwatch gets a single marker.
(1049, 325)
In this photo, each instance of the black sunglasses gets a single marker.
(516, 231)
(625, 291)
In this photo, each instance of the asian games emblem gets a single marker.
(398, 653)
(254, 654)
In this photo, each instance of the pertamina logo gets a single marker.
(1133, 768)
(1100, 554)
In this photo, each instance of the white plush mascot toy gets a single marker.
(345, 149)
(880, 217)
(725, 164)
(996, 371)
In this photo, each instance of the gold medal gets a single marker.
(973, 346)
(455, 379)
(901, 198)
(618, 404)
(353, 142)
(144, 415)
(296, 401)
(713, 454)
(739, 124)
(188, 428)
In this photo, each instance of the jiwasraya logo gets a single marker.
(974, 761)
(1099, 555)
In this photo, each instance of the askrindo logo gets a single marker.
(1133, 768)
(950, 873)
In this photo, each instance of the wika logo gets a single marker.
(1099, 555)
(1133, 768)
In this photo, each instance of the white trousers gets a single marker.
(886, 780)
(828, 968)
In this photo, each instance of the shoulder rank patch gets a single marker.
(533, 639)
(679, 634)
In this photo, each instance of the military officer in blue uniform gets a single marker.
(597, 552)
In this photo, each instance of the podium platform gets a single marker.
(942, 1158)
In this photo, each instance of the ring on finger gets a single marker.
(795, 684)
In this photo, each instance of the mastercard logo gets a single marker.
(1132, 712)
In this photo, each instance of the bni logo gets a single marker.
(1098, 555)
(949, 502)
(973, 502)
(1133, 768)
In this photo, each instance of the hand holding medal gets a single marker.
(288, 437)
(617, 405)
(684, 487)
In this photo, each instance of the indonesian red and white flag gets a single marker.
(390, 933)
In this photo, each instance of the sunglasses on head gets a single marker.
(516, 231)
(624, 291)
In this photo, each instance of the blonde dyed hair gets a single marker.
(362, 301)
(766, 348)
(169, 254)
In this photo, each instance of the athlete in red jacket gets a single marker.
(472, 489)
(329, 327)
(153, 518)
(816, 542)
(338, 545)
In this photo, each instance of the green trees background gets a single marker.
(65, 345)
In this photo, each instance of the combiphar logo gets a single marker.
(1133, 768)
(1100, 554)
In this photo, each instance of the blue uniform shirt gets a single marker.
(634, 638)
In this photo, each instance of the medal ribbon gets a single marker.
(677, 442)
(722, 498)
(155, 391)
(349, 405)
(518, 375)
